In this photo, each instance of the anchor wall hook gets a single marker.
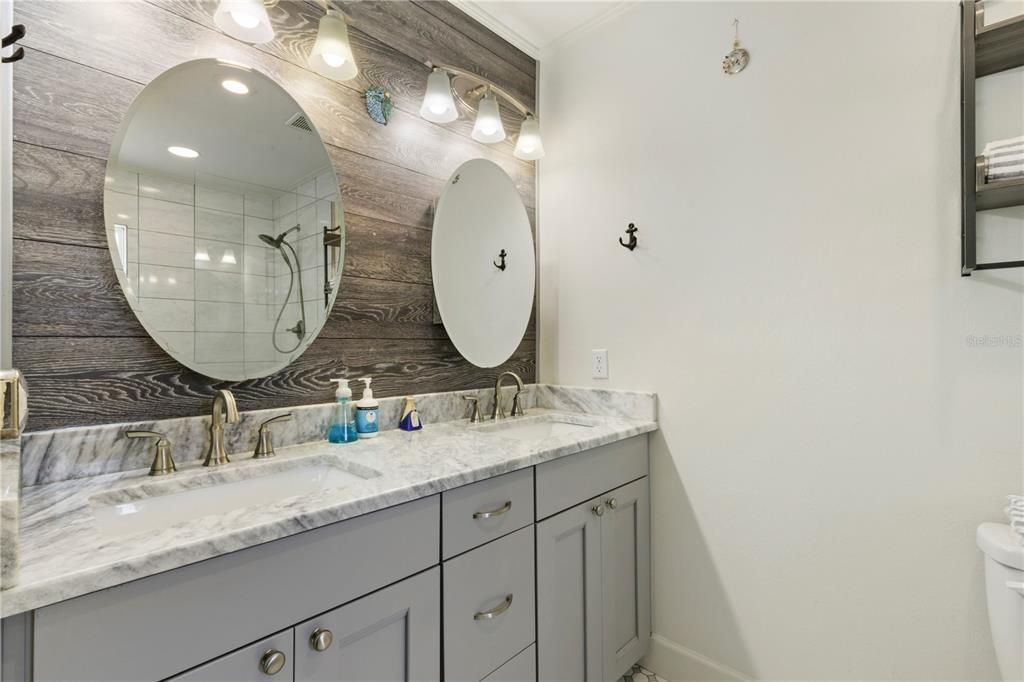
(16, 34)
(501, 266)
(631, 231)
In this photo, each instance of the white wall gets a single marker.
(831, 435)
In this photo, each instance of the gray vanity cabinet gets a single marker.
(569, 595)
(393, 634)
(593, 565)
(625, 577)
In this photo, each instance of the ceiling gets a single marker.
(242, 139)
(537, 25)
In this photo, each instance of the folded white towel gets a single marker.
(1015, 512)
(1004, 159)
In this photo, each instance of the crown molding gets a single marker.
(478, 11)
(615, 9)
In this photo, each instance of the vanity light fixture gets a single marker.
(476, 92)
(246, 20)
(331, 55)
(488, 127)
(529, 146)
(438, 104)
(184, 152)
(235, 87)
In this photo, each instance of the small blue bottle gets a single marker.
(343, 426)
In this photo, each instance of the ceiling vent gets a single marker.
(300, 121)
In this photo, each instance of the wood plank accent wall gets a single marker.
(86, 358)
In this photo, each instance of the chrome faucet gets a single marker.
(517, 409)
(223, 403)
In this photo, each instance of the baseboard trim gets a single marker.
(677, 663)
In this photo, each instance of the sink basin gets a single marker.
(536, 429)
(154, 506)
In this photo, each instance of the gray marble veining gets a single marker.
(10, 503)
(598, 401)
(65, 554)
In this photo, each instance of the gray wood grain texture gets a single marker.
(87, 358)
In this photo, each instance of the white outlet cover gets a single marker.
(599, 363)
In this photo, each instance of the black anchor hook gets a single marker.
(631, 231)
(501, 266)
(16, 34)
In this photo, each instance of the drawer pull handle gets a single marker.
(272, 662)
(494, 512)
(613, 504)
(496, 611)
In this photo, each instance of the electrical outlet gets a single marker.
(599, 363)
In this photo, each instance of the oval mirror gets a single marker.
(223, 219)
(482, 260)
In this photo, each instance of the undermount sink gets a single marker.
(538, 429)
(155, 506)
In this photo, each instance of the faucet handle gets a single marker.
(264, 440)
(474, 416)
(517, 407)
(163, 463)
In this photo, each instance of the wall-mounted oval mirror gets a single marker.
(224, 220)
(482, 259)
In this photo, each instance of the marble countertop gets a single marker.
(64, 553)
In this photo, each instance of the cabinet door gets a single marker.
(245, 665)
(569, 595)
(626, 577)
(393, 634)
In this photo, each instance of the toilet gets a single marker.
(1004, 580)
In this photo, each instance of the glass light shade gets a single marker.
(246, 20)
(488, 127)
(438, 105)
(529, 146)
(331, 55)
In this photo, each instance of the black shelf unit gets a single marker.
(984, 50)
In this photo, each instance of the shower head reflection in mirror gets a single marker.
(232, 257)
(295, 272)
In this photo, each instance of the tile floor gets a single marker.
(638, 674)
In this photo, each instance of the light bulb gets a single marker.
(246, 20)
(529, 146)
(438, 105)
(333, 60)
(331, 55)
(488, 127)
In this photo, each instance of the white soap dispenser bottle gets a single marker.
(367, 412)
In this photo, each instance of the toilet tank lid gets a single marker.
(999, 542)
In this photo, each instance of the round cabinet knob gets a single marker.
(613, 504)
(321, 639)
(599, 510)
(272, 662)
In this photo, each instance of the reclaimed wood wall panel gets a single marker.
(86, 357)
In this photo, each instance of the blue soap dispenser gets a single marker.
(367, 412)
(343, 425)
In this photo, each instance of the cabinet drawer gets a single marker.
(488, 606)
(392, 634)
(484, 511)
(152, 628)
(522, 668)
(244, 664)
(565, 482)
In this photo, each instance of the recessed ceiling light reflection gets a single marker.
(235, 87)
(184, 152)
(202, 255)
(228, 257)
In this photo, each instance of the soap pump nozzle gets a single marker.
(367, 391)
